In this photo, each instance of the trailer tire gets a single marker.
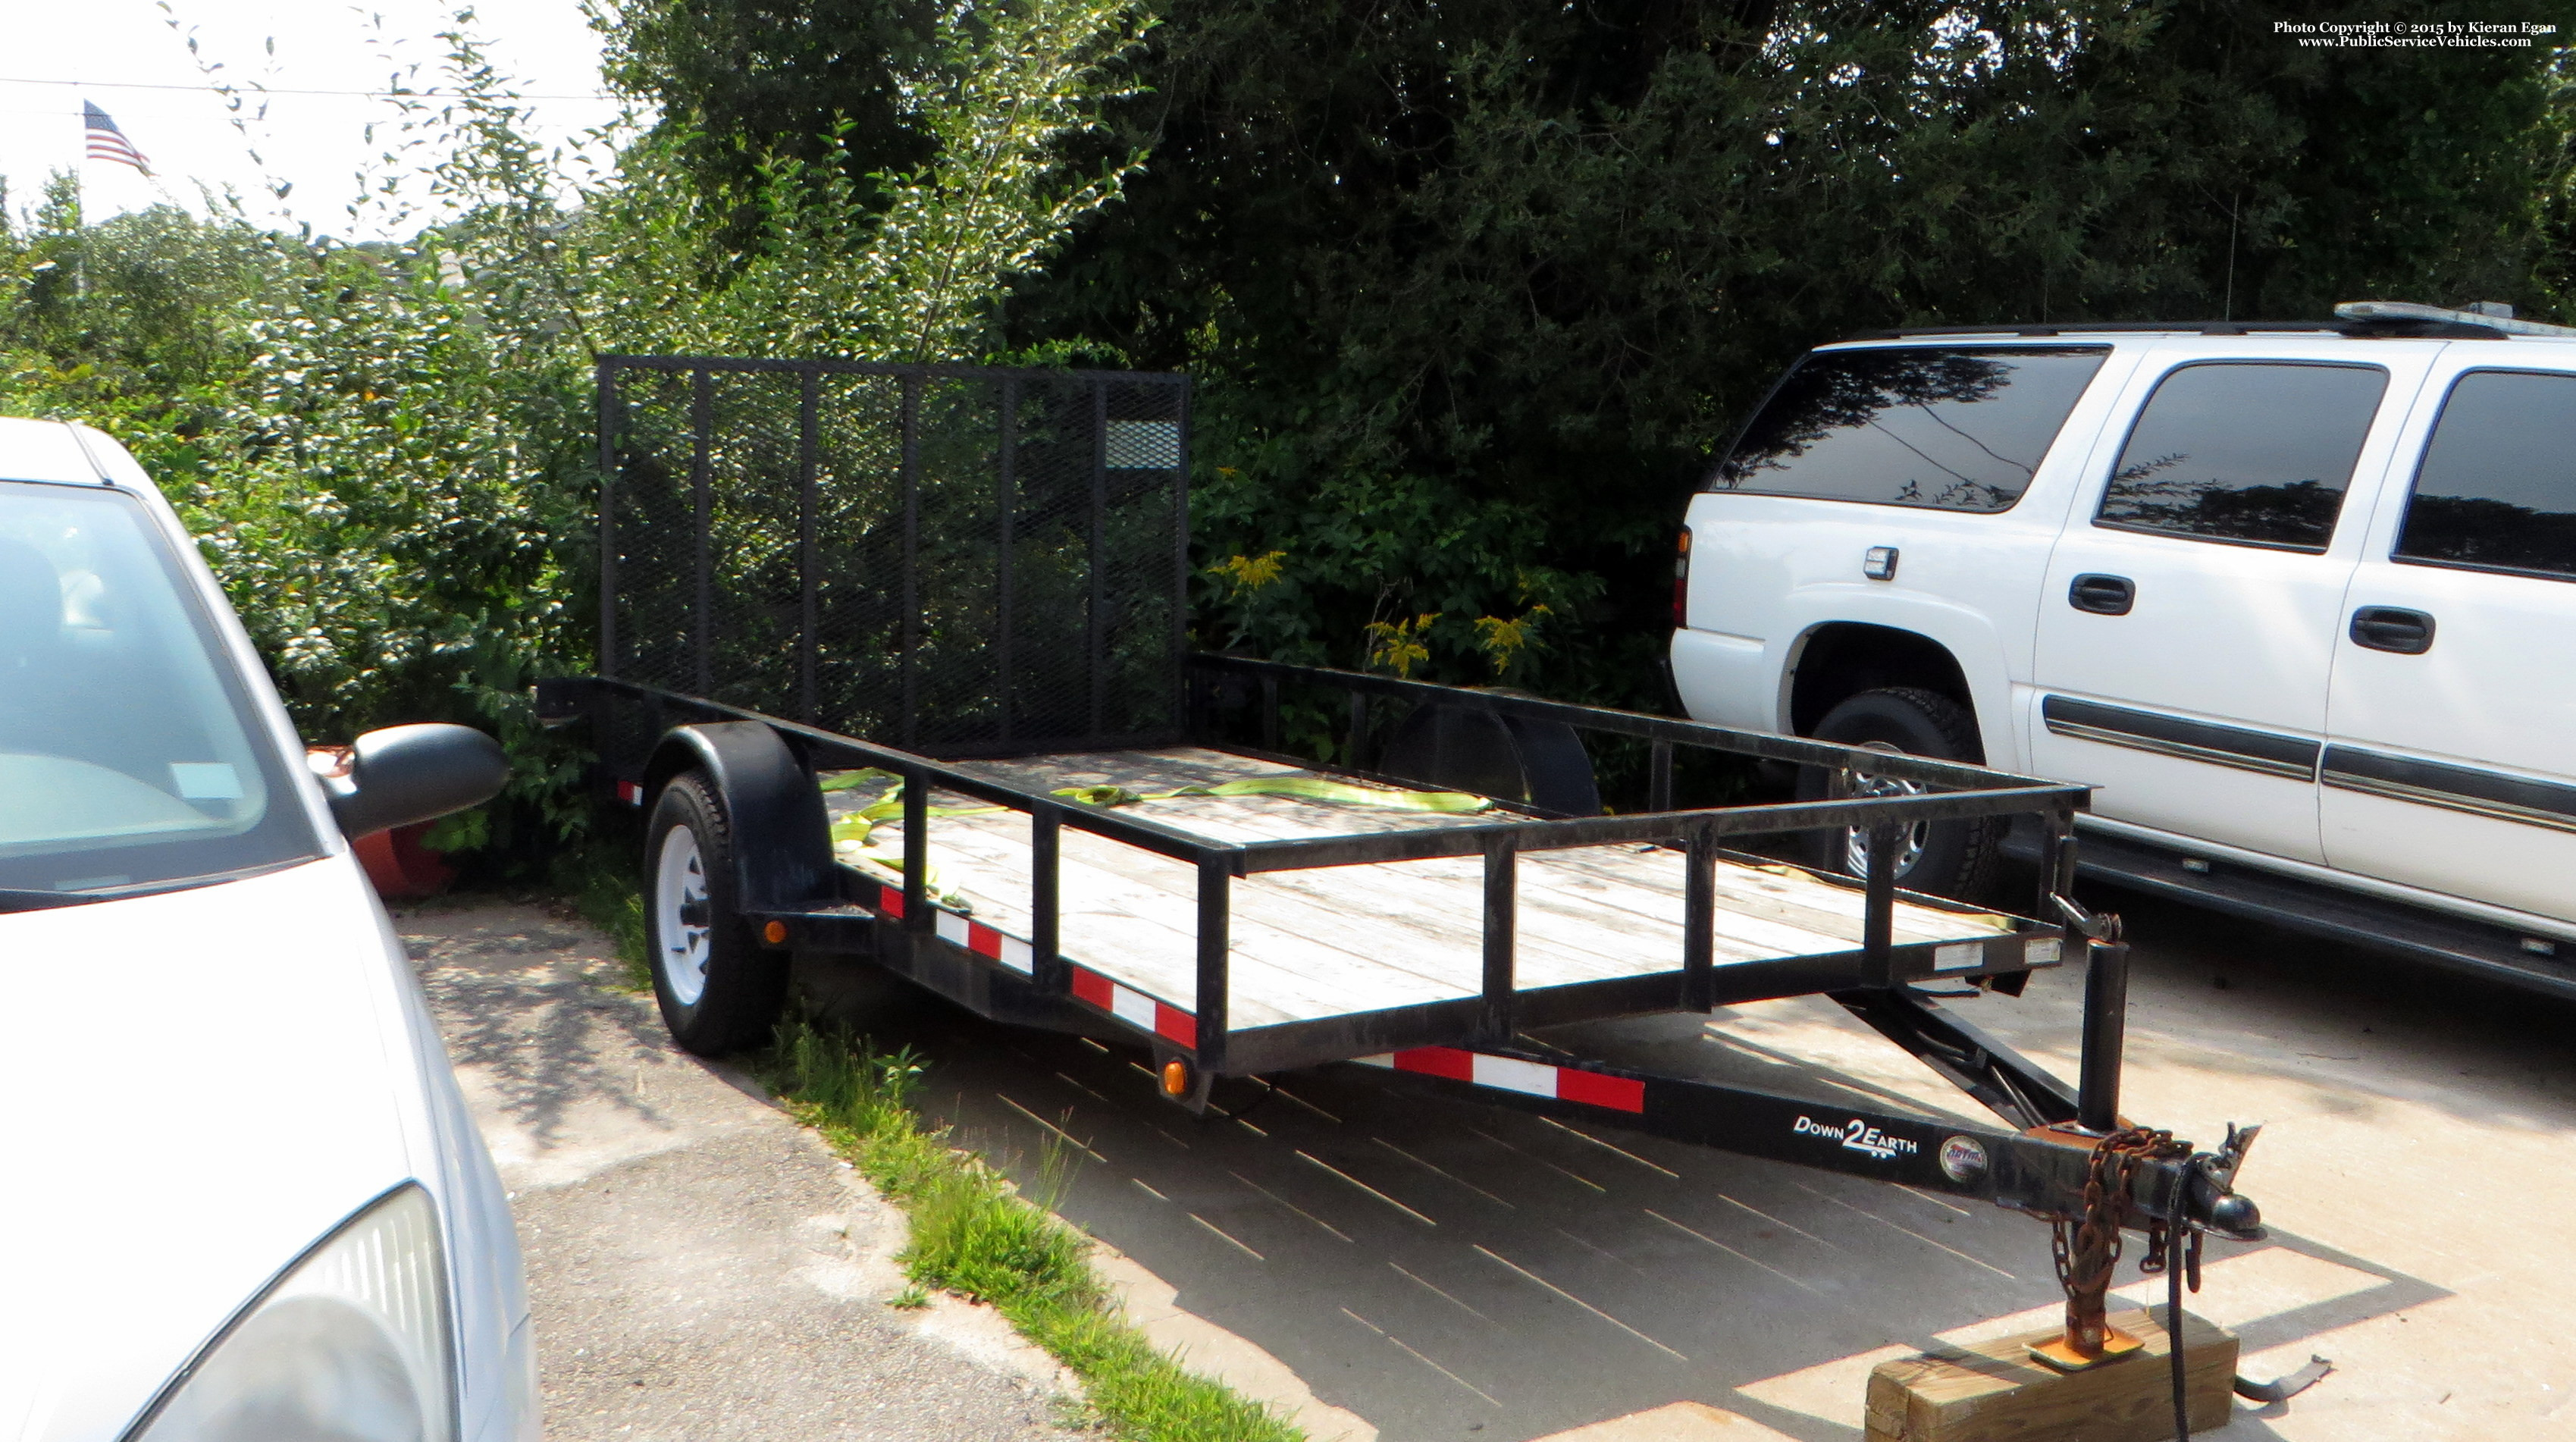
(1510, 758)
(719, 991)
(1946, 858)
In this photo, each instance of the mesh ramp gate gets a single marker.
(954, 560)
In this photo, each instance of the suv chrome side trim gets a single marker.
(2491, 794)
(2523, 922)
(2268, 752)
(2342, 906)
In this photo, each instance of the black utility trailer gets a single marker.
(894, 660)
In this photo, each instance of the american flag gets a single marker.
(106, 142)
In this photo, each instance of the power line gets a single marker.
(250, 89)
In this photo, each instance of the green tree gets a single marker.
(879, 206)
(1475, 290)
(387, 449)
(744, 85)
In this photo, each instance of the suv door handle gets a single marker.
(2392, 628)
(2102, 595)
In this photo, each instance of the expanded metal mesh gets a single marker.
(953, 560)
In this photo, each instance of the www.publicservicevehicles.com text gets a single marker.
(2409, 34)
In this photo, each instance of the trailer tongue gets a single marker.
(962, 593)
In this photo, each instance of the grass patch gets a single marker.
(974, 1234)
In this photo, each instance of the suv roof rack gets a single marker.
(2361, 318)
(2107, 327)
(2485, 315)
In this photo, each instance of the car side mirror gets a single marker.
(404, 774)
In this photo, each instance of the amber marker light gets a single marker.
(1681, 582)
(1176, 1077)
(774, 932)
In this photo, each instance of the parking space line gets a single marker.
(1229, 1236)
(1603, 1253)
(1418, 1357)
(1437, 1172)
(1936, 1201)
(1542, 1161)
(1310, 1106)
(1050, 1126)
(1292, 1206)
(1372, 1191)
(1607, 1147)
(1435, 1290)
(1445, 1372)
(1578, 1301)
(1775, 1221)
(1732, 1252)
(1086, 1091)
(1909, 1231)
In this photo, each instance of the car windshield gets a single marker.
(130, 756)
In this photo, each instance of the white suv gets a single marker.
(2299, 599)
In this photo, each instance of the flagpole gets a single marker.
(80, 221)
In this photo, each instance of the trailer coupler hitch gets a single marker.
(2086, 1245)
(2202, 1197)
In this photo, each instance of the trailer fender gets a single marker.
(1511, 758)
(782, 839)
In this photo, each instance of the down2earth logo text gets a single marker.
(1859, 1136)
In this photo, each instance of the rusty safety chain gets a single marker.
(2086, 1248)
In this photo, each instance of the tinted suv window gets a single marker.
(2497, 489)
(2256, 452)
(1951, 429)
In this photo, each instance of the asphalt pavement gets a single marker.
(1433, 1267)
(1443, 1268)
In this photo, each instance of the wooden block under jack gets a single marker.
(1994, 1391)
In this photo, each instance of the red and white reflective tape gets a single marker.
(980, 939)
(630, 793)
(1136, 1008)
(1129, 1005)
(1560, 1083)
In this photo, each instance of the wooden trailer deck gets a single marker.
(1332, 942)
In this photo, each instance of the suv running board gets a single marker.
(2393, 927)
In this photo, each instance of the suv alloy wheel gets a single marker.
(1946, 858)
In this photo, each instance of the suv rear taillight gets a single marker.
(1681, 582)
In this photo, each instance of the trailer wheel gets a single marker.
(1946, 858)
(719, 992)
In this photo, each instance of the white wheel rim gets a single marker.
(1868, 786)
(680, 915)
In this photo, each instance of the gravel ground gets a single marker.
(700, 1266)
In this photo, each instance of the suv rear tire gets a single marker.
(1946, 858)
(719, 992)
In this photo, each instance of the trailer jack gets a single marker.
(2072, 1159)
(2086, 1249)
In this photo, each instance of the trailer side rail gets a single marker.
(932, 942)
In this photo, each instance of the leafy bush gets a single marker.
(387, 450)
